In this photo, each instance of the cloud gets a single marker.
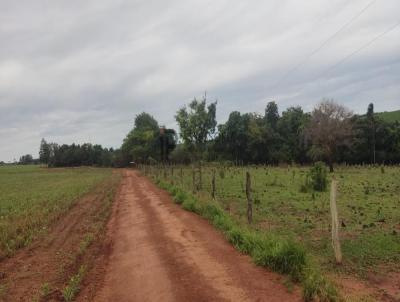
(74, 71)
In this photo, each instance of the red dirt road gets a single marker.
(159, 252)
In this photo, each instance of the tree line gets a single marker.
(330, 133)
(64, 155)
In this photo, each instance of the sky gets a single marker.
(80, 71)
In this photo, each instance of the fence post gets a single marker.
(193, 180)
(335, 223)
(213, 184)
(200, 178)
(249, 198)
(181, 174)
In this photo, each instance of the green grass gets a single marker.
(389, 116)
(32, 198)
(73, 287)
(368, 206)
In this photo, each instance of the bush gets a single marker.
(318, 176)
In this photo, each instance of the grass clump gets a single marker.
(73, 287)
(85, 243)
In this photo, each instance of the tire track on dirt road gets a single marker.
(163, 253)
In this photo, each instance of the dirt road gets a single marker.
(163, 253)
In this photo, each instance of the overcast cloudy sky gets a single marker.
(79, 71)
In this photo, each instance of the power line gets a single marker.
(370, 42)
(323, 44)
(361, 48)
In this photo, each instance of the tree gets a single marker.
(271, 114)
(371, 132)
(329, 128)
(44, 152)
(167, 140)
(141, 142)
(232, 137)
(26, 160)
(197, 125)
(291, 127)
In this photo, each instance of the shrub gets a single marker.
(318, 176)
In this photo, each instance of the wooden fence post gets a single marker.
(200, 186)
(213, 184)
(249, 198)
(181, 174)
(193, 180)
(335, 223)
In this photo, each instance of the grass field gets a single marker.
(389, 116)
(368, 205)
(32, 198)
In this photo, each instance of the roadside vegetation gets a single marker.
(32, 198)
(291, 228)
(268, 249)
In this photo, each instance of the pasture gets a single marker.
(368, 206)
(33, 197)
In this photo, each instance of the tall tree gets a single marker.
(372, 132)
(329, 128)
(271, 114)
(167, 142)
(291, 127)
(141, 142)
(44, 152)
(197, 124)
(232, 137)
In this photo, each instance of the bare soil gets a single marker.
(51, 260)
(158, 252)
